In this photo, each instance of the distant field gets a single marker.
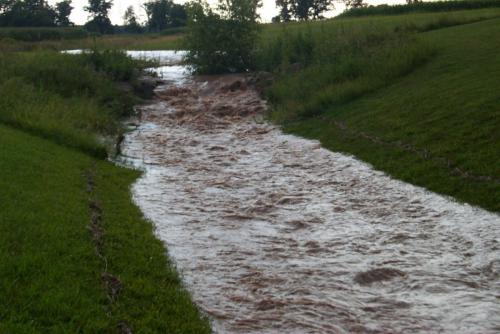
(42, 34)
(129, 42)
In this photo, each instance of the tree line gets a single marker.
(305, 10)
(34, 13)
(161, 15)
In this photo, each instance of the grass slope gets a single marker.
(448, 107)
(50, 275)
(76, 255)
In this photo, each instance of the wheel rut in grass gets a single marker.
(111, 284)
(274, 234)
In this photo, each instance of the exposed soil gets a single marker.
(274, 234)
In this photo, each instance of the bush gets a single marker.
(222, 41)
(114, 63)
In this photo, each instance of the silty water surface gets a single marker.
(274, 234)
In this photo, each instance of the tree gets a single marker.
(285, 10)
(319, 7)
(355, 4)
(63, 11)
(178, 16)
(5, 5)
(34, 13)
(303, 10)
(222, 40)
(163, 14)
(98, 10)
(157, 12)
(130, 21)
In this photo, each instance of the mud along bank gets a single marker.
(272, 233)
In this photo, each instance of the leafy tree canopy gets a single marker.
(222, 39)
(34, 13)
(131, 24)
(302, 10)
(99, 11)
(163, 14)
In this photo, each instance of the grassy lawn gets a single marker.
(448, 107)
(50, 274)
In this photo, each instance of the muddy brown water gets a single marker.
(274, 234)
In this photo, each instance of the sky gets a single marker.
(267, 12)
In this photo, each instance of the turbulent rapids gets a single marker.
(274, 234)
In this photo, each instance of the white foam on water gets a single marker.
(274, 234)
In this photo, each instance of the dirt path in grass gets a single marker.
(274, 234)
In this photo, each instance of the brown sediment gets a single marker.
(269, 230)
(377, 275)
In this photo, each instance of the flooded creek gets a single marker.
(274, 234)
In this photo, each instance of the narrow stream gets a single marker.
(274, 234)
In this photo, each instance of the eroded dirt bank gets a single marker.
(274, 234)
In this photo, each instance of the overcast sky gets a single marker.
(79, 16)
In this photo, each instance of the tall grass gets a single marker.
(42, 34)
(326, 64)
(421, 7)
(400, 92)
(106, 42)
(69, 99)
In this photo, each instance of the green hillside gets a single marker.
(423, 106)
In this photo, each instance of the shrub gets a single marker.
(223, 40)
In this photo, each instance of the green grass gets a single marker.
(446, 105)
(29, 34)
(49, 271)
(70, 99)
(384, 24)
(421, 7)
(55, 111)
